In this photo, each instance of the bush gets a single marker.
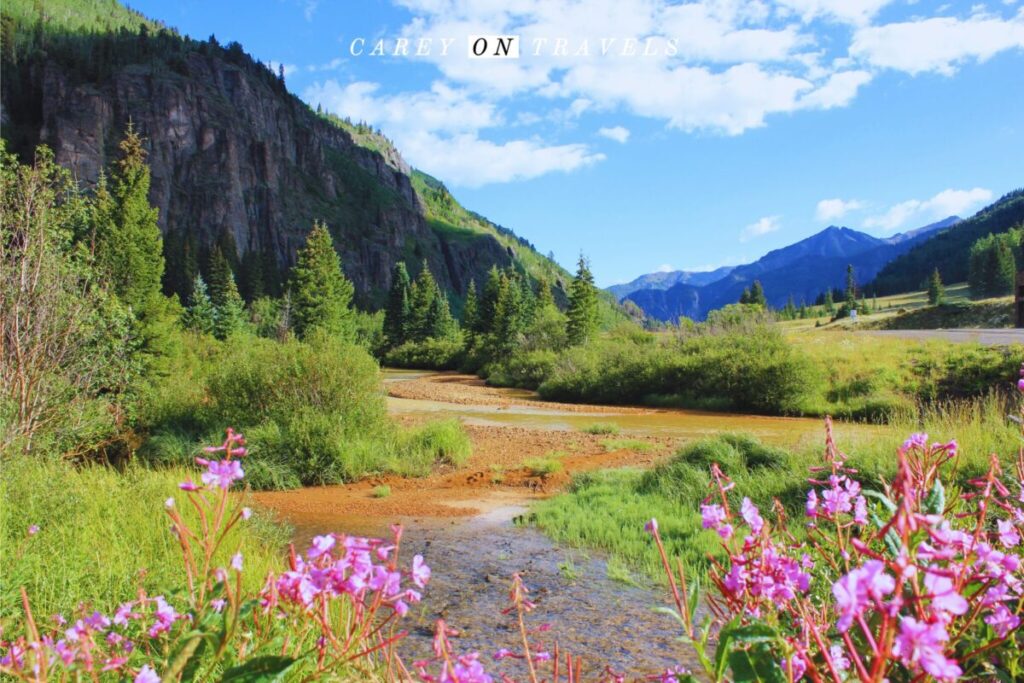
(429, 354)
(443, 442)
(602, 429)
(526, 370)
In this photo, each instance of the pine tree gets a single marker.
(251, 276)
(321, 295)
(218, 275)
(470, 309)
(544, 296)
(745, 296)
(230, 314)
(128, 244)
(757, 294)
(396, 315)
(851, 287)
(1004, 268)
(583, 312)
(936, 291)
(200, 314)
(829, 302)
(489, 300)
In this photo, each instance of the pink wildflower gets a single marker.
(420, 571)
(751, 515)
(919, 645)
(1008, 534)
(147, 675)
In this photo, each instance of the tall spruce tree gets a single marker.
(851, 287)
(218, 276)
(583, 312)
(128, 245)
(396, 315)
(936, 291)
(200, 314)
(489, 300)
(757, 294)
(470, 309)
(230, 314)
(321, 295)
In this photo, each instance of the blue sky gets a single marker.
(762, 123)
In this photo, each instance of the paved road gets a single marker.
(996, 337)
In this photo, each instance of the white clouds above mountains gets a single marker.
(761, 227)
(834, 209)
(914, 213)
(732, 66)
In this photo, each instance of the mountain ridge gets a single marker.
(236, 160)
(801, 270)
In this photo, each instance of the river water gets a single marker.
(604, 621)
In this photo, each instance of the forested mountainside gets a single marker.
(798, 272)
(237, 161)
(947, 251)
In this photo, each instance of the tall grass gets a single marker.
(102, 534)
(608, 509)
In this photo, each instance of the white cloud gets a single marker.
(834, 209)
(763, 226)
(664, 268)
(309, 9)
(946, 203)
(846, 11)
(466, 160)
(838, 91)
(616, 133)
(438, 131)
(289, 69)
(937, 44)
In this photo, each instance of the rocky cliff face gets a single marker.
(232, 153)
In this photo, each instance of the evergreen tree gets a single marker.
(321, 295)
(851, 286)
(789, 312)
(1004, 268)
(396, 315)
(470, 309)
(936, 291)
(442, 324)
(829, 302)
(489, 300)
(230, 314)
(128, 245)
(757, 294)
(219, 276)
(745, 296)
(544, 296)
(251, 276)
(200, 314)
(583, 312)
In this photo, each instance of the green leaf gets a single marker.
(268, 669)
(882, 498)
(755, 665)
(182, 658)
(670, 612)
(935, 502)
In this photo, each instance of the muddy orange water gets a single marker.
(461, 519)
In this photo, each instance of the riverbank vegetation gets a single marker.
(607, 509)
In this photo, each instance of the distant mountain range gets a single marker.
(802, 270)
(666, 279)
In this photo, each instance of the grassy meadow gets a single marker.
(607, 509)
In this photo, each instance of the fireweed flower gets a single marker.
(794, 667)
(712, 516)
(918, 440)
(33, 529)
(147, 675)
(651, 526)
(420, 571)
(221, 473)
(1008, 534)
(751, 515)
(919, 645)
(320, 546)
(1002, 620)
(236, 562)
(860, 588)
(246, 513)
(812, 504)
(945, 600)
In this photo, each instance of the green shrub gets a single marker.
(382, 491)
(442, 442)
(542, 467)
(526, 370)
(429, 354)
(602, 429)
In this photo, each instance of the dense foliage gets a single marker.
(993, 264)
(946, 250)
